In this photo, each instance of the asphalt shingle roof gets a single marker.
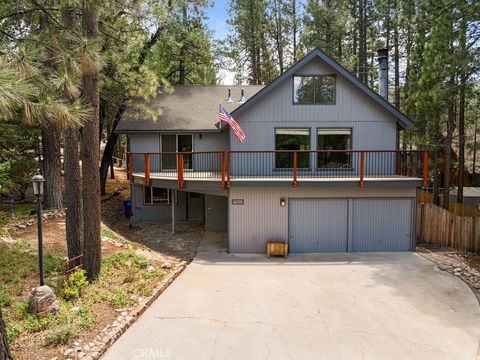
(188, 108)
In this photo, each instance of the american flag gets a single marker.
(225, 116)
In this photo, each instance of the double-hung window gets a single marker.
(333, 143)
(316, 89)
(292, 139)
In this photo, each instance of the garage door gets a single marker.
(318, 225)
(382, 225)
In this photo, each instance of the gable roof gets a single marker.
(188, 108)
(403, 120)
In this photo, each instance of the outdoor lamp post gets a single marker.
(38, 181)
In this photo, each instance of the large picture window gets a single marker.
(318, 90)
(176, 143)
(334, 139)
(154, 195)
(292, 139)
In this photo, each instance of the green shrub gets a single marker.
(73, 286)
(21, 308)
(87, 318)
(13, 330)
(119, 297)
(59, 335)
(121, 259)
(5, 299)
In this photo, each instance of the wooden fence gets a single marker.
(458, 228)
(454, 207)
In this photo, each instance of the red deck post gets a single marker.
(146, 159)
(228, 168)
(295, 158)
(425, 168)
(222, 154)
(180, 170)
(129, 167)
(362, 168)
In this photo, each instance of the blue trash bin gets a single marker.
(127, 208)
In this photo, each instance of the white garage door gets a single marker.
(318, 225)
(382, 225)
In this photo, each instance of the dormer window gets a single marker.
(314, 89)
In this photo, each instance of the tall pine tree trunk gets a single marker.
(461, 115)
(4, 350)
(73, 193)
(90, 153)
(72, 173)
(52, 167)
(448, 147)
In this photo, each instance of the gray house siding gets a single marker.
(152, 212)
(373, 127)
(145, 142)
(261, 218)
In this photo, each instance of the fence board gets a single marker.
(436, 225)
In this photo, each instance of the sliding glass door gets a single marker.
(173, 144)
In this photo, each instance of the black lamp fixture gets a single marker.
(38, 181)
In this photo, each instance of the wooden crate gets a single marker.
(277, 248)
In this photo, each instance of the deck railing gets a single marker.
(296, 165)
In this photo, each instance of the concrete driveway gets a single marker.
(329, 306)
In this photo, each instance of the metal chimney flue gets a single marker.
(229, 99)
(242, 96)
(383, 73)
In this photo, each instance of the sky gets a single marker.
(217, 16)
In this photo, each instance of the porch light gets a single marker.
(283, 202)
(37, 182)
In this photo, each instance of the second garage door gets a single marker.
(382, 225)
(318, 225)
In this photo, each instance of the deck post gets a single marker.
(228, 169)
(129, 167)
(295, 158)
(146, 160)
(222, 154)
(425, 168)
(174, 221)
(180, 170)
(362, 168)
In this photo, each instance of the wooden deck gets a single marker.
(215, 176)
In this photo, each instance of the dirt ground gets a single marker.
(152, 240)
(151, 235)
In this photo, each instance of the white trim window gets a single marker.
(153, 195)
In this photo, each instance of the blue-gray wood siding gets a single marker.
(373, 128)
(152, 143)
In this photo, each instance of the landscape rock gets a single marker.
(166, 265)
(151, 269)
(43, 301)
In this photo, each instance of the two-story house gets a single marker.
(319, 168)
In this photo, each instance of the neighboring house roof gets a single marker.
(188, 108)
(402, 118)
(468, 192)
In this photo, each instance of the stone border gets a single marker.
(99, 346)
